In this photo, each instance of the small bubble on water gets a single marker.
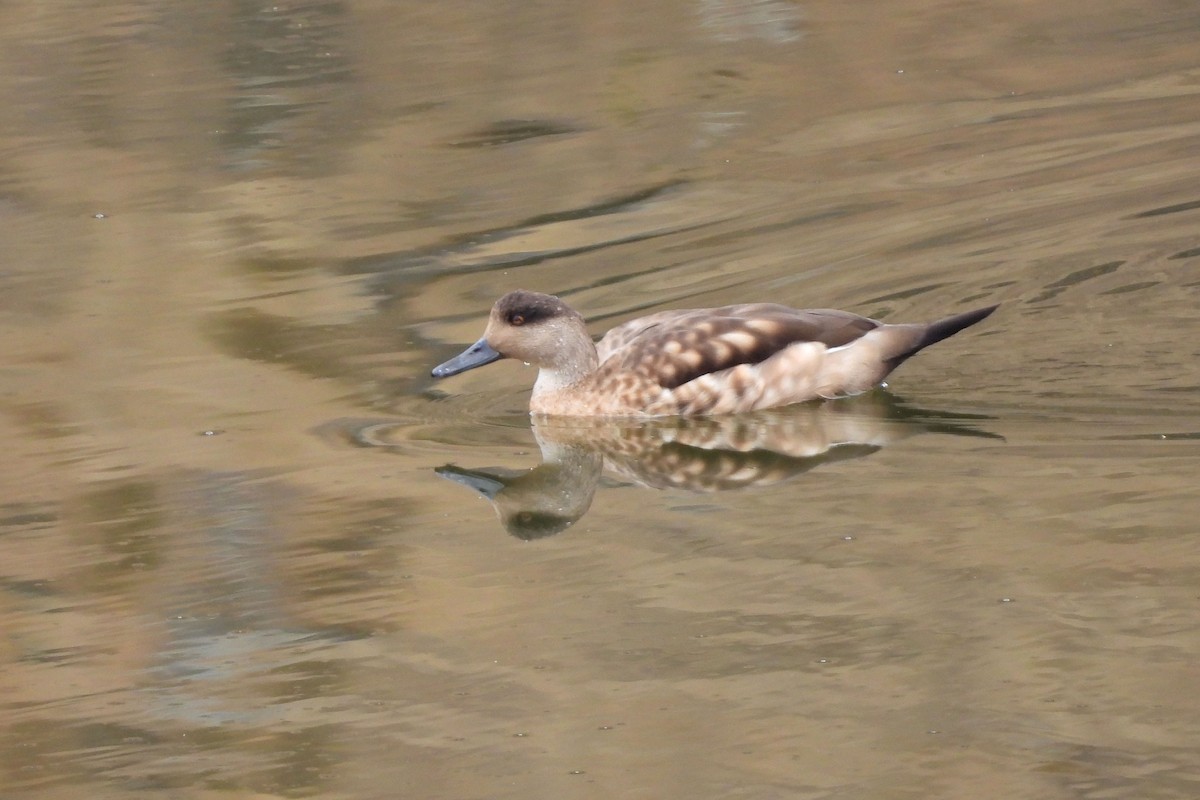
(1006, 599)
(577, 772)
(99, 215)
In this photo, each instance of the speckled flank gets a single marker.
(725, 360)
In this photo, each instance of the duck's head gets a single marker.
(536, 328)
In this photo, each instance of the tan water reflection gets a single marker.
(228, 228)
(695, 454)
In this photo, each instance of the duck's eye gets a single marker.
(516, 319)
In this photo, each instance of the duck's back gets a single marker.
(742, 358)
(675, 347)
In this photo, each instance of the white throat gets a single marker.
(551, 380)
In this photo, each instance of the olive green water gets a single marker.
(248, 549)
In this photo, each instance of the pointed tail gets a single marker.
(943, 329)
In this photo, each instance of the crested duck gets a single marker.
(724, 360)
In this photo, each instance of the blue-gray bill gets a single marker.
(474, 356)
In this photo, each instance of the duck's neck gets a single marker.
(575, 359)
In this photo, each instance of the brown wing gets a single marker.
(617, 339)
(673, 348)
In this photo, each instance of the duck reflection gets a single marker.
(698, 454)
(542, 501)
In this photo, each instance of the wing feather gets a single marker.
(674, 347)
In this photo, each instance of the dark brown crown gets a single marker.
(527, 308)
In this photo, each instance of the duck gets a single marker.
(703, 361)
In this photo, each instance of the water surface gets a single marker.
(250, 549)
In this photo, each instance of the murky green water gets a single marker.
(248, 549)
